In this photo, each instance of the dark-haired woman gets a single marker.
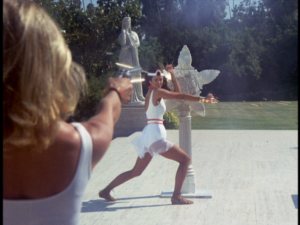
(153, 141)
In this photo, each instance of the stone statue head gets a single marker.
(126, 23)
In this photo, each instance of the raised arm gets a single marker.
(171, 70)
(122, 39)
(101, 126)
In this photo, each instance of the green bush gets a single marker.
(171, 121)
(87, 106)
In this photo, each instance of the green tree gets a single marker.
(92, 38)
(256, 49)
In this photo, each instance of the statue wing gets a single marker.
(171, 103)
(198, 107)
(205, 77)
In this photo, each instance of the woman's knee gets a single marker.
(187, 159)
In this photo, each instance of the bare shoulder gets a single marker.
(68, 136)
(163, 93)
(160, 92)
(100, 133)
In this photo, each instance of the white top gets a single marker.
(61, 209)
(155, 111)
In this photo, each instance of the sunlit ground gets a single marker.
(264, 115)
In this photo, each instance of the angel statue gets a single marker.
(191, 82)
(130, 42)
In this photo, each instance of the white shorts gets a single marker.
(152, 140)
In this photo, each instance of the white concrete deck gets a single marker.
(253, 176)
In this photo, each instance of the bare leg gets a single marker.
(177, 154)
(137, 170)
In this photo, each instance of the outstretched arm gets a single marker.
(101, 126)
(162, 93)
(171, 70)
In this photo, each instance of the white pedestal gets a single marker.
(185, 142)
(189, 184)
(132, 119)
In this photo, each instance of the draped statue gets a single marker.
(130, 42)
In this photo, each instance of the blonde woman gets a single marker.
(153, 140)
(46, 161)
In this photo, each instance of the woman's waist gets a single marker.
(155, 121)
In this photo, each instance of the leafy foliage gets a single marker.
(256, 49)
(171, 121)
(150, 52)
(87, 107)
(92, 37)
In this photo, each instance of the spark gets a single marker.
(137, 80)
(124, 65)
(129, 67)
(167, 75)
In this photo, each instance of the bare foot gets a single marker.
(106, 195)
(179, 200)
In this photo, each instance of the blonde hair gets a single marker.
(41, 84)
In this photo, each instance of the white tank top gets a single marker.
(61, 209)
(155, 112)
